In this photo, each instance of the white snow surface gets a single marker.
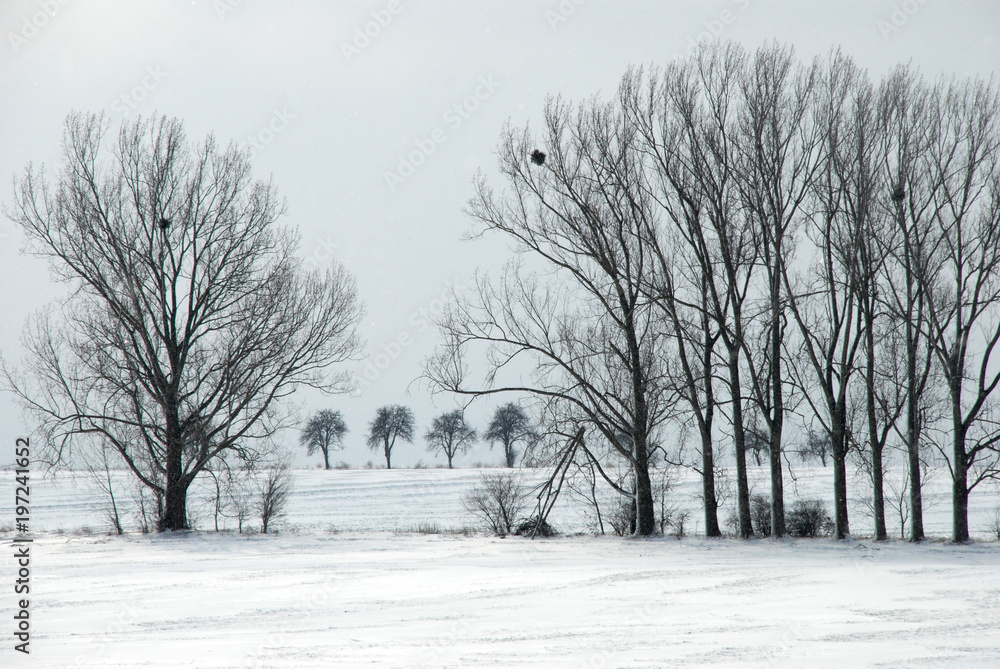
(348, 582)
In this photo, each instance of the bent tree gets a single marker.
(188, 316)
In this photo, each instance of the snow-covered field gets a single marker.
(349, 583)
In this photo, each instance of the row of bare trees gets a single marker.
(737, 240)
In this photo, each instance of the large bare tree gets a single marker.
(963, 289)
(587, 330)
(188, 316)
(908, 198)
(826, 305)
(685, 117)
(778, 149)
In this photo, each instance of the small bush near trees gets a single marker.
(760, 515)
(677, 521)
(273, 490)
(621, 516)
(809, 518)
(497, 502)
(527, 528)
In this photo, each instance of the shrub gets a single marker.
(273, 490)
(621, 516)
(760, 515)
(497, 501)
(809, 518)
(526, 528)
(677, 521)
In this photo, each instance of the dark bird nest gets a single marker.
(898, 192)
(538, 157)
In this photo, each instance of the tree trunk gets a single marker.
(708, 486)
(878, 493)
(875, 444)
(960, 468)
(913, 428)
(837, 439)
(777, 406)
(175, 507)
(326, 458)
(739, 439)
(388, 456)
(707, 453)
(645, 509)
(174, 515)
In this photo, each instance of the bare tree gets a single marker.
(189, 318)
(593, 340)
(905, 102)
(450, 433)
(274, 486)
(390, 423)
(324, 432)
(686, 117)
(98, 466)
(817, 445)
(777, 148)
(826, 307)
(509, 427)
(963, 291)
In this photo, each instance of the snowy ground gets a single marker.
(347, 583)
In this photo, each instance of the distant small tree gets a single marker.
(818, 445)
(757, 443)
(324, 432)
(509, 427)
(390, 423)
(451, 434)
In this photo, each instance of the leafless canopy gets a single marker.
(188, 316)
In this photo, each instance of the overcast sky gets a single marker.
(331, 111)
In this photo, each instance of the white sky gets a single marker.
(345, 121)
